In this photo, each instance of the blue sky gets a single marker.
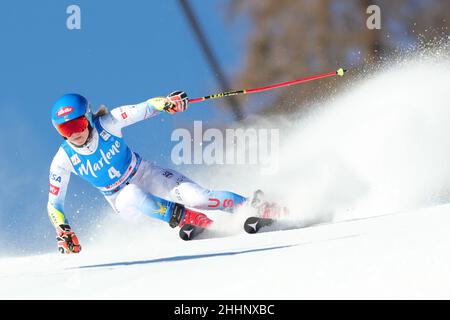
(125, 52)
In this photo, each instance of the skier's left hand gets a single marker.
(177, 101)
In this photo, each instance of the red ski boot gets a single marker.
(265, 209)
(266, 213)
(195, 218)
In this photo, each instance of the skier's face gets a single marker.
(79, 138)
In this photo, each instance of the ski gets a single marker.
(254, 224)
(190, 232)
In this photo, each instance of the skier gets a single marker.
(94, 149)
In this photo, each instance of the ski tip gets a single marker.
(189, 232)
(186, 232)
(253, 224)
(250, 228)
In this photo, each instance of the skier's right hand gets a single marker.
(67, 240)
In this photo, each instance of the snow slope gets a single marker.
(362, 165)
(403, 255)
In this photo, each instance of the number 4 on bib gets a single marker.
(114, 173)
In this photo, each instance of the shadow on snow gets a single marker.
(178, 258)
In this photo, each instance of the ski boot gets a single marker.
(265, 209)
(266, 213)
(193, 224)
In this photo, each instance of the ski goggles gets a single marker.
(76, 125)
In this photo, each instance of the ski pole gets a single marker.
(340, 72)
